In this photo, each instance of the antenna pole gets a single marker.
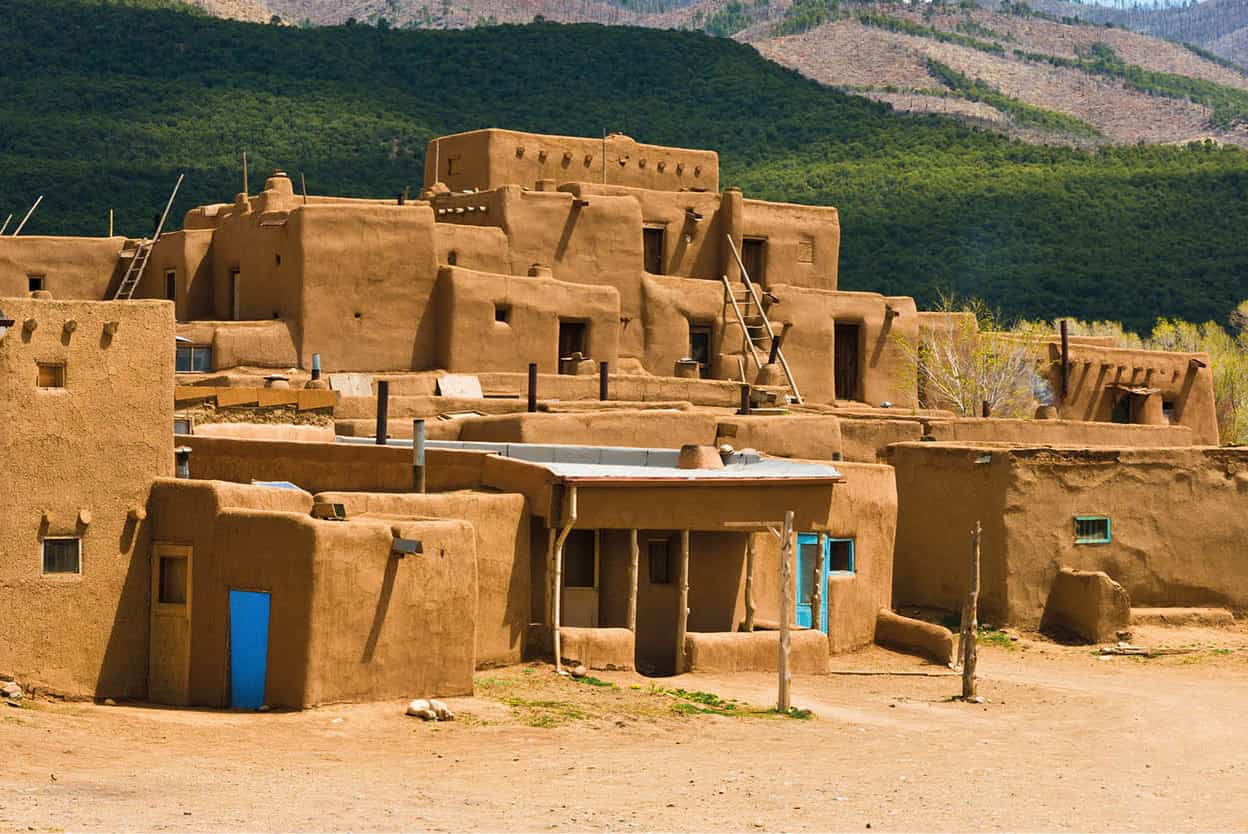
(22, 225)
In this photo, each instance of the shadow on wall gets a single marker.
(123, 669)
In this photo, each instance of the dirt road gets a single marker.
(1068, 741)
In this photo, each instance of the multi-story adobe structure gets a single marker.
(644, 297)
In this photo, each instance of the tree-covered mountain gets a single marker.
(105, 104)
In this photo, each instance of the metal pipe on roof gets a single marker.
(532, 387)
(383, 410)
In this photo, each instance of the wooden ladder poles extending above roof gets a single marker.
(134, 273)
(756, 329)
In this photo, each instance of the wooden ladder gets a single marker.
(134, 272)
(750, 315)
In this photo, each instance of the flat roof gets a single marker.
(637, 464)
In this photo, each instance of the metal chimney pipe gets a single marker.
(603, 381)
(316, 366)
(383, 410)
(418, 455)
(532, 387)
(182, 462)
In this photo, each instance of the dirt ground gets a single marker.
(1068, 740)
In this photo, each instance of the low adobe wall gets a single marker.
(500, 524)
(1058, 432)
(656, 429)
(867, 439)
(597, 648)
(756, 651)
(266, 431)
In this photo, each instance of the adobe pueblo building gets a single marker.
(309, 449)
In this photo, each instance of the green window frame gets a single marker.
(1093, 529)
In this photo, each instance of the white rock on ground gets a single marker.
(11, 691)
(442, 711)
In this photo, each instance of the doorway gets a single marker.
(846, 360)
(580, 579)
(573, 338)
(653, 240)
(249, 648)
(808, 579)
(235, 299)
(754, 257)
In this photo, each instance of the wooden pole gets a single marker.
(9, 219)
(682, 613)
(749, 582)
(786, 614)
(970, 616)
(634, 559)
(816, 598)
(245, 173)
(110, 222)
(22, 225)
(303, 182)
(548, 613)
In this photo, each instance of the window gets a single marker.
(194, 359)
(51, 374)
(171, 285)
(181, 425)
(452, 166)
(173, 580)
(1122, 409)
(1168, 411)
(62, 555)
(34, 283)
(840, 555)
(700, 347)
(502, 313)
(452, 258)
(660, 561)
(578, 559)
(1092, 529)
(653, 238)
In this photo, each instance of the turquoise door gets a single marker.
(249, 647)
(808, 581)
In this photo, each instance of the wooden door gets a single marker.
(846, 359)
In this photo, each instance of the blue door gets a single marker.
(807, 581)
(249, 647)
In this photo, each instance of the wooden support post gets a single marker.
(970, 617)
(110, 223)
(682, 612)
(1065, 360)
(816, 598)
(749, 581)
(786, 611)
(986, 408)
(245, 193)
(634, 559)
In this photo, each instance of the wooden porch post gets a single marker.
(682, 613)
(634, 558)
(970, 615)
(786, 613)
(749, 581)
(816, 598)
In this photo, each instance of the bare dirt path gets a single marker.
(1068, 741)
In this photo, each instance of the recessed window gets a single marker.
(652, 244)
(194, 359)
(660, 561)
(840, 555)
(452, 166)
(700, 347)
(173, 580)
(62, 555)
(34, 283)
(502, 313)
(51, 374)
(171, 285)
(1092, 529)
(452, 258)
(573, 338)
(1168, 410)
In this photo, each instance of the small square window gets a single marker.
(181, 425)
(1092, 529)
(194, 359)
(840, 555)
(173, 580)
(34, 283)
(62, 555)
(51, 374)
(660, 561)
(502, 313)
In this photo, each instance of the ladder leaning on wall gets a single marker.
(134, 272)
(758, 335)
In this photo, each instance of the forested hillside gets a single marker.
(104, 105)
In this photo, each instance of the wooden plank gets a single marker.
(312, 398)
(227, 397)
(186, 393)
(269, 397)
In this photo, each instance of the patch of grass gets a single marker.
(1020, 112)
(492, 683)
(794, 712)
(592, 681)
(992, 637)
(544, 713)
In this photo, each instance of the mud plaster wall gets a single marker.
(1180, 382)
(941, 492)
(1059, 432)
(482, 248)
(864, 509)
(803, 243)
(348, 621)
(470, 338)
(263, 344)
(72, 267)
(68, 451)
(186, 256)
(1179, 524)
(500, 525)
(484, 159)
(670, 306)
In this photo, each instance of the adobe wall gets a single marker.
(500, 525)
(864, 508)
(485, 159)
(803, 242)
(670, 305)
(699, 505)
(348, 622)
(942, 491)
(658, 429)
(84, 455)
(483, 248)
(186, 255)
(1182, 384)
(73, 267)
(471, 339)
(1057, 432)
(262, 344)
(867, 439)
(1177, 523)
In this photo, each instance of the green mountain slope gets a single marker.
(105, 104)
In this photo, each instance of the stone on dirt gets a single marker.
(441, 711)
(578, 671)
(11, 691)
